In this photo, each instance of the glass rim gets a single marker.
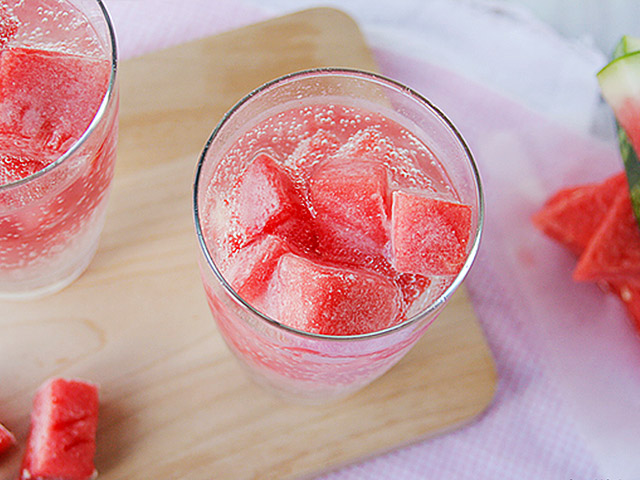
(436, 304)
(100, 113)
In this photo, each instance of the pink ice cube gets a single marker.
(351, 200)
(316, 298)
(250, 269)
(265, 201)
(49, 97)
(429, 235)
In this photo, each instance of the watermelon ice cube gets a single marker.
(350, 199)
(322, 299)
(49, 98)
(573, 214)
(61, 442)
(266, 201)
(429, 235)
(249, 270)
(614, 249)
(7, 440)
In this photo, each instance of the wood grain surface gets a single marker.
(174, 403)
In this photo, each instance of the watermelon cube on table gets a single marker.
(49, 97)
(322, 299)
(62, 441)
(429, 235)
(350, 199)
(7, 440)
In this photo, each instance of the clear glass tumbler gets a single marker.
(297, 364)
(59, 123)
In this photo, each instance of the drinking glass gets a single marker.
(307, 366)
(51, 220)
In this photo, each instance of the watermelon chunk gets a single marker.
(49, 98)
(61, 442)
(249, 271)
(429, 235)
(328, 300)
(582, 210)
(572, 215)
(266, 201)
(7, 440)
(614, 250)
(351, 200)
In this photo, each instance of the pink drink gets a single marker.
(58, 129)
(333, 229)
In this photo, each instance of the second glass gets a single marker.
(58, 126)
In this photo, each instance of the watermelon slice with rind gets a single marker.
(572, 215)
(7, 440)
(582, 209)
(62, 442)
(627, 44)
(613, 253)
(620, 85)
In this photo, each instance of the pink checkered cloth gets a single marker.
(568, 400)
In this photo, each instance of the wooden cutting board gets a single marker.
(174, 403)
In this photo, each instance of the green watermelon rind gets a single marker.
(624, 66)
(618, 79)
(627, 44)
